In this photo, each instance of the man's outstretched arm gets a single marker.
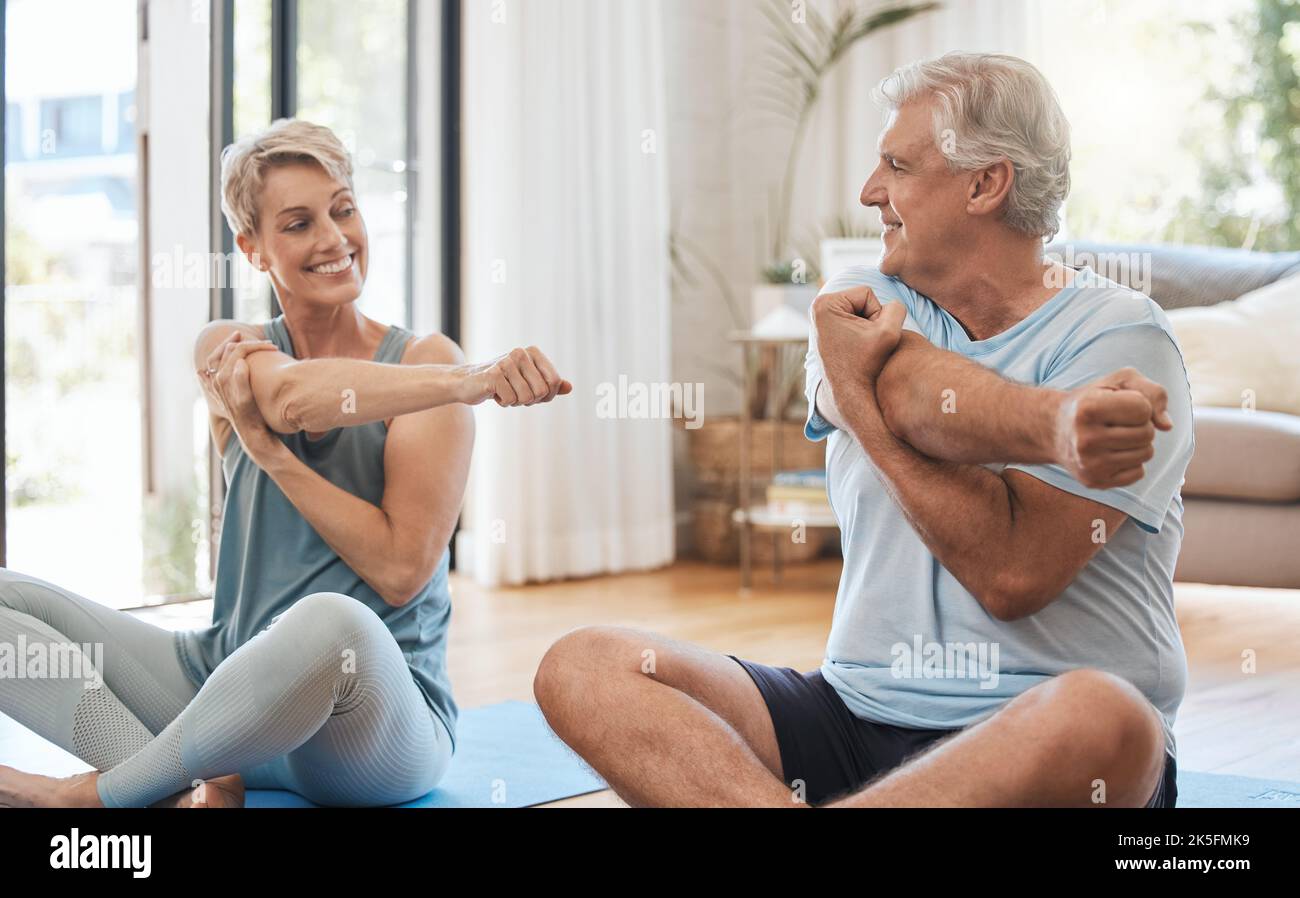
(951, 408)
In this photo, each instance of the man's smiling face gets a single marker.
(922, 204)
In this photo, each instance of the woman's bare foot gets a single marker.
(31, 790)
(218, 792)
(19, 789)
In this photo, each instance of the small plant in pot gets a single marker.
(805, 46)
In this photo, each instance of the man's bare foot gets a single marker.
(32, 790)
(218, 792)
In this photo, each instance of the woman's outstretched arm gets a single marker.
(321, 394)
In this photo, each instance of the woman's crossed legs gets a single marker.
(321, 703)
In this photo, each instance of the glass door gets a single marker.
(72, 317)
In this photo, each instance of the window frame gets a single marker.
(441, 216)
(438, 207)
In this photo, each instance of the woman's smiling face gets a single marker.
(310, 235)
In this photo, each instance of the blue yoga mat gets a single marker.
(468, 786)
(1218, 790)
(506, 756)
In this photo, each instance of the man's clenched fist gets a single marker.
(1105, 431)
(855, 335)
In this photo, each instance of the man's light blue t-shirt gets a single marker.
(909, 645)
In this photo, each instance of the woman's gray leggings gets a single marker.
(321, 702)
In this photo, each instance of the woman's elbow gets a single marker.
(399, 590)
(295, 406)
(399, 596)
(407, 583)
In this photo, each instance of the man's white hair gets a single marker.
(989, 107)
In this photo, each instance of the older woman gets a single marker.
(345, 445)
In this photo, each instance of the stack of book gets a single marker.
(798, 493)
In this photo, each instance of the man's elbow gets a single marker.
(894, 409)
(897, 405)
(1015, 593)
(894, 390)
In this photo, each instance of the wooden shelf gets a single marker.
(751, 337)
(765, 517)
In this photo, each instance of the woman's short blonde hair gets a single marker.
(287, 141)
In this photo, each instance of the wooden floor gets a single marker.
(1230, 721)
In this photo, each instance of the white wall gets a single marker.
(173, 113)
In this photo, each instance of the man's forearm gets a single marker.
(963, 513)
(951, 408)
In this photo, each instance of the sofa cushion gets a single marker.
(1180, 276)
(1244, 455)
(1242, 543)
(1243, 352)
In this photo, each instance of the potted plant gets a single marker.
(805, 46)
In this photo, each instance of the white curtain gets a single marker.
(566, 228)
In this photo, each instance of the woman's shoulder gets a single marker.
(432, 349)
(224, 327)
(214, 332)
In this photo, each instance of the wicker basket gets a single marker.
(715, 453)
(714, 536)
(715, 457)
(717, 537)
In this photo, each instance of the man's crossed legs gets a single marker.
(671, 724)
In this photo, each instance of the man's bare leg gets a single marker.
(1055, 745)
(665, 723)
(697, 732)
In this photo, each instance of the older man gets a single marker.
(1004, 634)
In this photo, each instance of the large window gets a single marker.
(78, 123)
(352, 78)
(109, 482)
(342, 64)
(1183, 119)
(251, 111)
(75, 513)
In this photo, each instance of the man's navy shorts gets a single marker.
(835, 752)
